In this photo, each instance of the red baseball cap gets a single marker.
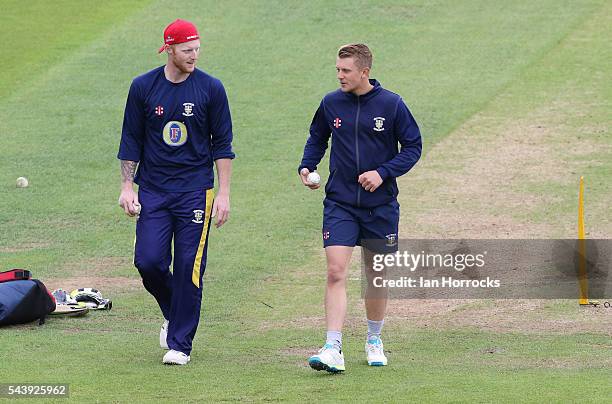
(179, 31)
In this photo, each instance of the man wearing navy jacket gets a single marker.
(365, 122)
(177, 123)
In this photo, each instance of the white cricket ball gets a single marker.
(137, 208)
(314, 177)
(22, 182)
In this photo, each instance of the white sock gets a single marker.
(375, 328)
(334, 338)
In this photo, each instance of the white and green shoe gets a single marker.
(328, 358)
(375, 352)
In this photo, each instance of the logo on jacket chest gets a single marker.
(188, 108)
(337, 123)
(379, 123)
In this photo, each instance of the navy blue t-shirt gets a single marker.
(176, 130)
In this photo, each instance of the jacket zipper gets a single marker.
(357, 150)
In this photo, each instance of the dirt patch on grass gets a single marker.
(100, 265)
(413, 308)
(25, 247)
(537, 317)
(501, 178)
(472, 195)
(493, 174)
(503, 316)
(104, 284)
(533, 316)
(96, 273)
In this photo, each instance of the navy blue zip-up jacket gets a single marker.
(176, 130)
(365, 132)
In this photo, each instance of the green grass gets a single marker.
(60, 115)
(38, 34)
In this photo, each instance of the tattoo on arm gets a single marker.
(128, 170)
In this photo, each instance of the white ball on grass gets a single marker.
(22, 182)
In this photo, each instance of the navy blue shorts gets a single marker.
(350, 226)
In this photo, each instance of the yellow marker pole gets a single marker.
(582, 275)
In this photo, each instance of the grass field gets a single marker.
(513, 100)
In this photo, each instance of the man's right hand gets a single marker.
(128, 200)
(304, 177)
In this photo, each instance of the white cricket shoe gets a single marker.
(374, 351)
(163, 335)
(173, 357)
(328, 358)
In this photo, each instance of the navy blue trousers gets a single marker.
(182, 218)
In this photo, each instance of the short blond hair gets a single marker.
(359, 51)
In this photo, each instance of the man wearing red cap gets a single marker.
(177, 123)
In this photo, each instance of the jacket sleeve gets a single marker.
(221, 124)
(132, 134)
(317, 141)
(409, 137)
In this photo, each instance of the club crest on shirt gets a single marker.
(378, 124)
(175, 133)
(391, 240)
(198, 214)
(188, 108)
